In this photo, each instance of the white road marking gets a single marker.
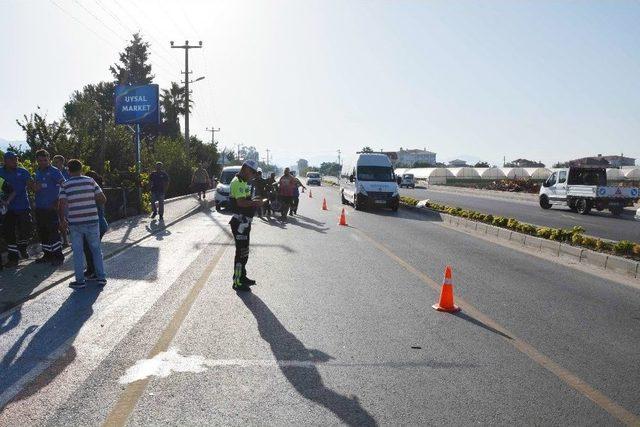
(170, 361)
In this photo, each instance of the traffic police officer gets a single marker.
(47, 189)
(16, 228)
(243, 208)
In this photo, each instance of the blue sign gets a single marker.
(137, 105)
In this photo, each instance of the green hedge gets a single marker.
(574, 236)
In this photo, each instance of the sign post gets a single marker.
(136, 105)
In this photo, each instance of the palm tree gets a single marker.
(172, 104)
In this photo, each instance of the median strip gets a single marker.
(621, 257)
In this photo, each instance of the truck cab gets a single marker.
(583, 188)
(369, 182)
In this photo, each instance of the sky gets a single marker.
(544, 80)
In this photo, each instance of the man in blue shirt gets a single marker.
(47, 189)
(16, 228)
(59, 162)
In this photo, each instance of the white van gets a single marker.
(369, 181)
(221, 198)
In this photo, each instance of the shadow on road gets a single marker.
(51, 343)
(462, 315)
(301, 224)
(305, 379)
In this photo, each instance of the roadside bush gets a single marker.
(500, 221)
(589, 242)
(527, 228)
(544, 232)
(512, 224)
(577, 239)
(623, 247)
(603, 246)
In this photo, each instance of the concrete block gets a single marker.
(622, 265)
(550, 247)
(518, 237)
(594, 258)
(482, 228)
(533, 242)
(571, 251)
(492, 230)
(504, 234)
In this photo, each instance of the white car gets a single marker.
(313, 178)
(408, 180)
(221, 198)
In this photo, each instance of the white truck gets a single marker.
(583, 188)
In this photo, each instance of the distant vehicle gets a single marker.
(370, 181)
(221, 198)
(313, 178)
(637, 214)
(408, 180)
(584, 188)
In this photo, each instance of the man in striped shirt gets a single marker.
(81, 195)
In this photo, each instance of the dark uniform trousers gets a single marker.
(241, 229)
(16, 230)
(47, 220)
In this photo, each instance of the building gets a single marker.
(393, 156)
(457, 163)
(411, 157)
(619, 161)
(524, 163)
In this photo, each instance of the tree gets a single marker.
(330, 168)
(133, 68)
(172, 106)
(51, 136)
(366, 149)
(481, 165)
(303, 165)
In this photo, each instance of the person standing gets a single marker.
(259, 190)
(201, 182)
(286, 191)
(82, 196)
(60, 162)
(296, 196)
(6, 195)
(90, 272)
(159, 180)
(243, 208)
(16, 228)
(48, 180)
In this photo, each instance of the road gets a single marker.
(598, 224)
(339, 330)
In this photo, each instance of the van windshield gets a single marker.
(227, 176)
(375, 173)
(313, 175)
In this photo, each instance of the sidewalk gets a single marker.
(31, 279)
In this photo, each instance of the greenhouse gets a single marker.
(516, 173)
(464, 173)
(538, 174)
(491, 174)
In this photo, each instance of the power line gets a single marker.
(84, 25)
(97, 19)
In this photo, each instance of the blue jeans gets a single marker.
(91, 234)
(157, 196)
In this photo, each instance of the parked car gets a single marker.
(221, 198)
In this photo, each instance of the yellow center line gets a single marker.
(129, 398)
(569, 378)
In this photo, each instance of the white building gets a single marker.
(411, 157)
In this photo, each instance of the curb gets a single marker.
(612, 263)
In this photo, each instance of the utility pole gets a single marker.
(213, 131)
(268, 156)
(238, 151)
(186, 48)
(339, 163)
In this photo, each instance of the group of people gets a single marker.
(67, 203)
(280, 196)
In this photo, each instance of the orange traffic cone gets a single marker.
(324, 204)
(446, 294)
(343, 218)
(310, 196)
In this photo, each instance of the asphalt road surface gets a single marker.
(339, 330)
(598, 224)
